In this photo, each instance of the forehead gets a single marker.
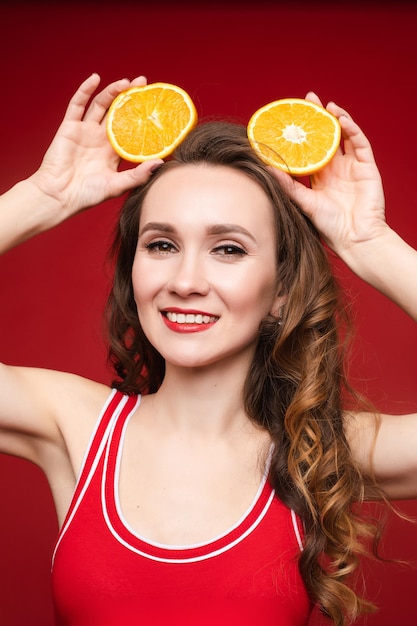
(208, 193)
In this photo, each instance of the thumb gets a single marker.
(298, 192)
(142, 172)
(135, 176)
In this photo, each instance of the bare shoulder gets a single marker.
(75, 402)
(384, 446)
(52, 424)
(40, 408)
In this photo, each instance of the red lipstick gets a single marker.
(188, 321)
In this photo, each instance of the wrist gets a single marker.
(366, 257)
(388, 264)
(25, 211)
(45, 201)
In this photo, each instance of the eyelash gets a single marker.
(157, 246)
(165, 247)
(231, 250)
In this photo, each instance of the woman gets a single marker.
(224, 493)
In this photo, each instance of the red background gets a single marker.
(232, 58)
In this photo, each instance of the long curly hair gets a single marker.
(296, 385)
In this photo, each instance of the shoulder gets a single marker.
(76, 404)
(41, 408)
(384, 448)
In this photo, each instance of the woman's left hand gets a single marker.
(346, 199)
(346, 204)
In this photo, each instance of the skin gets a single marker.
(206, 249)
(217, 258)
(47, 417)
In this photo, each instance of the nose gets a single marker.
(189, 276)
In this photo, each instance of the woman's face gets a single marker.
(204, 273)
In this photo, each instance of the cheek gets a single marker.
(148, 282)
(141, 283)
(254, 293)
(136, 282)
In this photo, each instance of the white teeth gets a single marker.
(190, 318)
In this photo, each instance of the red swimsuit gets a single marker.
(104, 574)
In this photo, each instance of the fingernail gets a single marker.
(156, 167)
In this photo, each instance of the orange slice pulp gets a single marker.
(150, 121)
(294, 135)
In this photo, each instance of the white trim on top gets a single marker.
(94, 464)
(173, 547)
(297, 530)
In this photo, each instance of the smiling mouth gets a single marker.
(190, 318)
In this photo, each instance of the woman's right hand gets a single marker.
(80, 168)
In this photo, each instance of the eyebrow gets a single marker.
(215, 229)
(161, 226)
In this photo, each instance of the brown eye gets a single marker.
(229, 250)
(161, 246)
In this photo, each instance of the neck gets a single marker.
(203, 400)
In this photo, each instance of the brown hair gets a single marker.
(296, 382)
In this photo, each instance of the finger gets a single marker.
(355, 141)
(146, 168)
(336, 110)
(139, 81)
(97, 110)
(311, 96)
(133, 177)
(296, 190)
(76, 106)
(100, 104)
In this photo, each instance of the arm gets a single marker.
(79, 169)
(346, 204)
(385, 447)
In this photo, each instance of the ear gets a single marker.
(277, 305)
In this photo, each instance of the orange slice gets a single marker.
(150, 121)
(294, 135)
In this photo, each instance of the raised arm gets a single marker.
(79, 169)
(44, 415)
(346, 203)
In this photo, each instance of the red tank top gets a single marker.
(104, 574)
